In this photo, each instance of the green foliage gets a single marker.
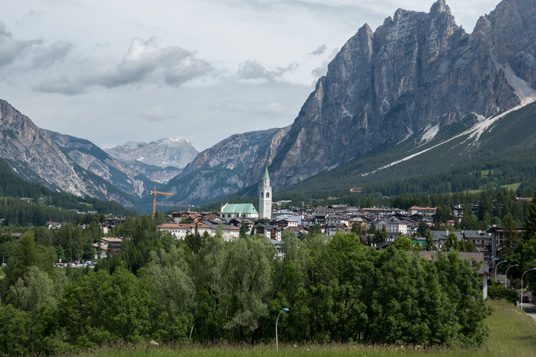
(452, 242)
(337, 290)
(404, 243)
(497, 290)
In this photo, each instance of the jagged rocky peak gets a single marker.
(440, 6)
(416, 71)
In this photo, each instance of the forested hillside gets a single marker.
(41, 204)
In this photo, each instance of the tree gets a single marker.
(380, 236)
(243, 230)
(24, 256)
(511, 239)
(530, 224)
(171, 287)
(452, 242)
(372, 228)
(429, 241)
(422, 229)
(404, 243)
(32, 290)
(250, 280)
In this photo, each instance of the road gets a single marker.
(530, 309)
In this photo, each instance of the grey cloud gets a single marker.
(251, 70)
(144, 62)
(51, 54)
(185, 71)
(322, 70)
(61, 85)
(320, 50)
(11, 48)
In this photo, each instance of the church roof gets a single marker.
(266, 176)
(239, 208)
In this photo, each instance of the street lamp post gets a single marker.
(276, 320)
(521, 304)
(488, 260)
(506, 274)
(499, 263)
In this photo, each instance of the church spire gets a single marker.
(265, 196)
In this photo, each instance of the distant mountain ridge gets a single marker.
(93, 159)
(162, 153)
(219, 171)
(34, 156)
(411, 79)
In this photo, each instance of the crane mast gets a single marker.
(154, 193)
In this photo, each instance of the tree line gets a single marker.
(206, 289)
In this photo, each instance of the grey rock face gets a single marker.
(510, 31)
(33, 155)
(220, 170)
(91, 158)
(162, 153)
(416, 71)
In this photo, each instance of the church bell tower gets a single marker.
(265, 197)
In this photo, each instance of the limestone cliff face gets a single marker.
(416, 71)
(510, 31)
(413, 76)
(33, 155)
(93, 159)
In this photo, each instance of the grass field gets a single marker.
(512, 333)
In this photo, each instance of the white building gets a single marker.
(179, 231)
(238, 210)
(265, 197)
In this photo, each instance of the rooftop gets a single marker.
(239, 208)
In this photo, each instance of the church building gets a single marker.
(265, 197)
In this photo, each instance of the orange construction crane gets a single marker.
(154, 193)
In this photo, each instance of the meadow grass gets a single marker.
(511, 333)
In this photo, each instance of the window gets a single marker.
(262, 194)
(267, 194)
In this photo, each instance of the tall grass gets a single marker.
(511, 333)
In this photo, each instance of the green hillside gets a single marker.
(503, 155)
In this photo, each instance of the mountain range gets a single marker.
(418, 85)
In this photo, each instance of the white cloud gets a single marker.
(252, 70)
(319, 51)
(144, 63)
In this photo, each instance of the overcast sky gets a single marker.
(130, 70)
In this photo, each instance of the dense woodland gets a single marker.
(207, 290)
(204, 289)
